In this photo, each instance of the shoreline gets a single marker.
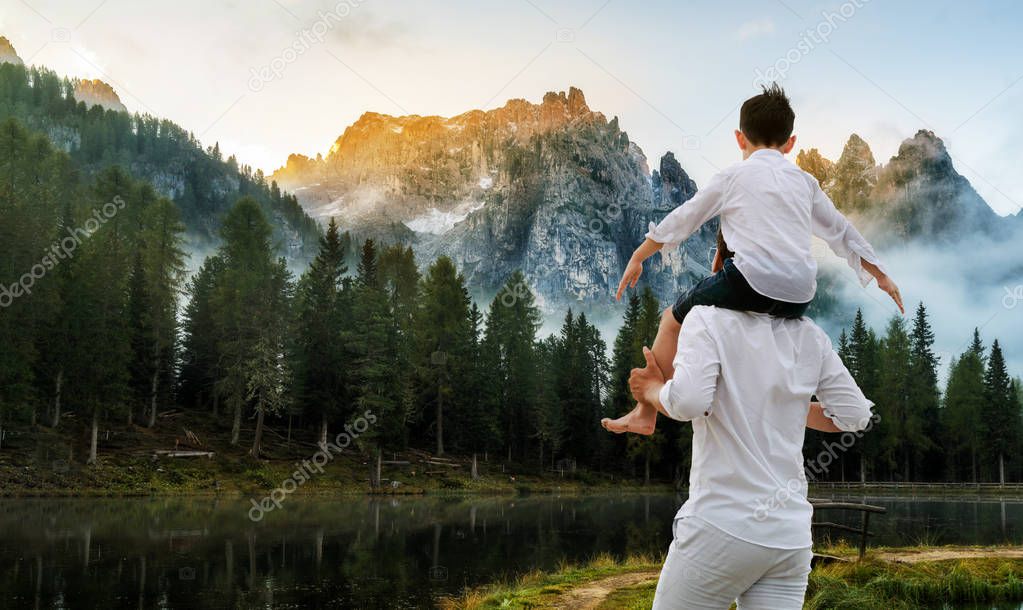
(888, 578)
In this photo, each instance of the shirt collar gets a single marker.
(767, 153)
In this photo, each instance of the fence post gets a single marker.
(865, 520)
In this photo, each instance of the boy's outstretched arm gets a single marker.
(676, 227)
(884, 282)
(635, 267)
(844, 240)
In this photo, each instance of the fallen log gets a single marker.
(172, 454)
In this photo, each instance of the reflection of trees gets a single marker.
(182, 552)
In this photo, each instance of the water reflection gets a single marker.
(365, 552)
(205, 553)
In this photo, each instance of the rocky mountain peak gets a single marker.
(925, 150)
(7, 53)
(98, 93)
(672, 185)
(854, 176)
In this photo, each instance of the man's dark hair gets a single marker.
(766, 119)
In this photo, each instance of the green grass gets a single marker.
(871, 584)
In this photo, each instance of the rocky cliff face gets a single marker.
(7, 53)
(98, 93)
(553, 189)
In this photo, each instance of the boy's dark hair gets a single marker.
(766, 119)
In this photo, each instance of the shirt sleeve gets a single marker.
(684, 220)
(841, 236)
(841, 399)
(690, 392)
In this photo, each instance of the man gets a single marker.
(745, 381)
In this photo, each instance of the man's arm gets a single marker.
(690, 392)
(816, 420)
(676, 227)
(841, 400)
(844, 240)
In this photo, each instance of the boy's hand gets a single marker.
(885, 283)
(629, 279)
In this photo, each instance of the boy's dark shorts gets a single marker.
(729, 289)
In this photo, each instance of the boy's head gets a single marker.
(765, 121)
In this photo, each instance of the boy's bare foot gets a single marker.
(641, 420)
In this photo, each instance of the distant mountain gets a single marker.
(554, 189)
(917, 195)
(98, 93)
(7, 53)
(87, 120)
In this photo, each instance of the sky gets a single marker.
(266, 78)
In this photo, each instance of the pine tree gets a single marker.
(201, 366)
(509, 344)
(924, 396)
(251, 301)
(862, 360)
(323, 330)
(905, 430)
(964, 405)
(371, 341)
(444, 338)
(99, 379)
(1000, 415)
(163, 259)
(269, 376)
(399, 279)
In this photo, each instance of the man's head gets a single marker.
(765, 121)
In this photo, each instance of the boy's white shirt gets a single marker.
(770, 209)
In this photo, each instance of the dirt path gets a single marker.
(590, 595)
(946, 553)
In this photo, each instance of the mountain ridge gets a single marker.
(552, 188)
(555, 189)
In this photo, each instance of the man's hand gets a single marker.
(648, 381)
(885, 283)
(631, 276)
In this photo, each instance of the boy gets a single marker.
(769, 210)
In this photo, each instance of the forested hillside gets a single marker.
(199, 181)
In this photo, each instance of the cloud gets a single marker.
(982, 290)
(753, 29)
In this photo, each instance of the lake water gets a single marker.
(366, 552)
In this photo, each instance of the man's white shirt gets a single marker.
(769, 210)
(745, 381)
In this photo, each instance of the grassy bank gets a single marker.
(887, 579)
(38, 461)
